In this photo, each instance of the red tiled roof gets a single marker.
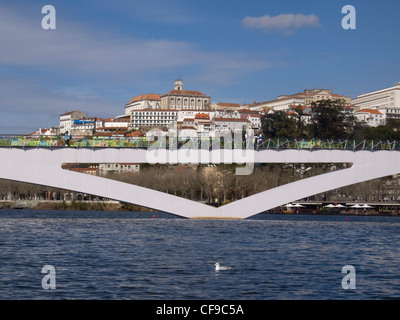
(231, 120)
(103, 134)
(248, 111)
(149, 96)
(202, 116)
(369, 111)
(135, 134)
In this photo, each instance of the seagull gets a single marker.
(218, 267)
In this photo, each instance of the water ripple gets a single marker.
(108, 255)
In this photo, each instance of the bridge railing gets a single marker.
(21, 141)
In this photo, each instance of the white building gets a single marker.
(223, 124)
(388, 98)
(45, 132)
(67, 120)
(370, 117)
(144, 101)
(283, 103)
(119, 123)
(153, 118)
(84, 126)
(105, 168)
(192, 114)
(306, 98)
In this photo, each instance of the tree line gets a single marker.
(330, 120)
(219, 185)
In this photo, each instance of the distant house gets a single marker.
(105, 168)
(44, 132)
(370, 117)
(231, 124)
(67, 120)
(117, 123)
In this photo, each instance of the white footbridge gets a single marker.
(43, 166)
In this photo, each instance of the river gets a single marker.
(143, 255)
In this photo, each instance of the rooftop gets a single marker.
(149, 96)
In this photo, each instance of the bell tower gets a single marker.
(178, 84)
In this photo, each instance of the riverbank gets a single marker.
(118, 206)
(71, 205)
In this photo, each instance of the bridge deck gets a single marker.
(16, 141)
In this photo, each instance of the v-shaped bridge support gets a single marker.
(43, 166)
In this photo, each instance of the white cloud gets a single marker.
(285, 23)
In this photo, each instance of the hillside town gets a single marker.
(187, 109)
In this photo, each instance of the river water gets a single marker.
(132, 255)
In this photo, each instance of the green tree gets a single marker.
(279, 125)
(381, 133)
(330, 120)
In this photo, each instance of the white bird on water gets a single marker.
(218, 267)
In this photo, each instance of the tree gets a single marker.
(381, 133)
(329, 120)
(279, 125)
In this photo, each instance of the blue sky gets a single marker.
(103, 53)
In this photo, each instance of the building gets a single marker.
(84, 126)
(306, 98)
(370, 117)
(193, 114)
(231, 124)
(253, 116)
(117, 123)
(144, 101)
(225, 105)
(67, 120)
(105, 168)
(314, 95)
(153, 118)
(283, 103)
(179, 99)
(388, 99)
(45, 132)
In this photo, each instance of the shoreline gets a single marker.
(70, 205)
(118, 206)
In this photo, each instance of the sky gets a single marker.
(103, 53)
